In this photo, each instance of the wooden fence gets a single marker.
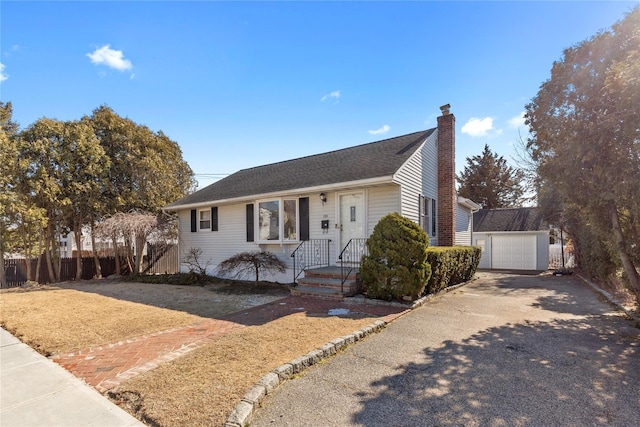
(157, 262)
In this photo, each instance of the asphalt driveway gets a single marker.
(505, 350)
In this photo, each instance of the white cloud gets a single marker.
(517, 121)
(12, 50)
(110, 57)
(478, 127)
(383, 129)
(3, 76)
(335, 94)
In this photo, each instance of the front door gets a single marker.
(352, 218)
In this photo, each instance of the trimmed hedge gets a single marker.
(451, 265)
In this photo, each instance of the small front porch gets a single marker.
(328, 283)
(314, 276)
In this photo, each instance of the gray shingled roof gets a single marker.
(511, 219)
(373, 160)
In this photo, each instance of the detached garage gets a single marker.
(511, 239)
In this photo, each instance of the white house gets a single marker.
(69, 249)
(321, 203)
(104, 247)
(512, 239)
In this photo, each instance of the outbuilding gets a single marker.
(512, 239)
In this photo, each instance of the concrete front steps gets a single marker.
(326, 283)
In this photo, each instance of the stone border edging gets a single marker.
(241, 415)
(611, 299)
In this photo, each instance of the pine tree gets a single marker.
(489, 181)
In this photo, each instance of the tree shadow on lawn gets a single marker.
(236, 301)
(570, 372)
(214, 300)
(311, 307)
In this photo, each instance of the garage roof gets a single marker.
(508, 219)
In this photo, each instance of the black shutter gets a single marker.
(214, 218)
(303, 205)
(194, 220)
(250, 223)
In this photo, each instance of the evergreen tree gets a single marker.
(585, 139)
(488, 180)
(8, 167)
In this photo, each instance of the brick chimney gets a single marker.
(447, 198)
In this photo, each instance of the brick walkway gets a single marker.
(104, 367)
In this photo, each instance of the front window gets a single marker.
(290, 220)
(205, 219)
(278, 220)
(268, 220)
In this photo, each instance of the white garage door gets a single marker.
(514, 252)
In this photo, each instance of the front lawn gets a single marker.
(200, 388)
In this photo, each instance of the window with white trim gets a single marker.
(427, 208)
(277, 220)
(204, 219)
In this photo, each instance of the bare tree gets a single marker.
(195, 263)
(247, 264)
(135, 228)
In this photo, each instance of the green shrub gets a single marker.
(451, 265)
(183, 279)
(396, 265)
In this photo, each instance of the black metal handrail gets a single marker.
(351, 257)
(310, 253)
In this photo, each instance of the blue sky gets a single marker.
(241, 84)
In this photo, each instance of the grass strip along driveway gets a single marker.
(202, 387)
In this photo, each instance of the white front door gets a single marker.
(352, 218)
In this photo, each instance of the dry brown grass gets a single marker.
(72, 316)
(201, 388)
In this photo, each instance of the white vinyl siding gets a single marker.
(380, 202)
(419, 177)
(219, 246)
(319, 212)
(231, 239)
(463, 226)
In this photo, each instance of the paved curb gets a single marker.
(243, 411)
(611, 299)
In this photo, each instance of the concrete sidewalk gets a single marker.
(34, 391)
